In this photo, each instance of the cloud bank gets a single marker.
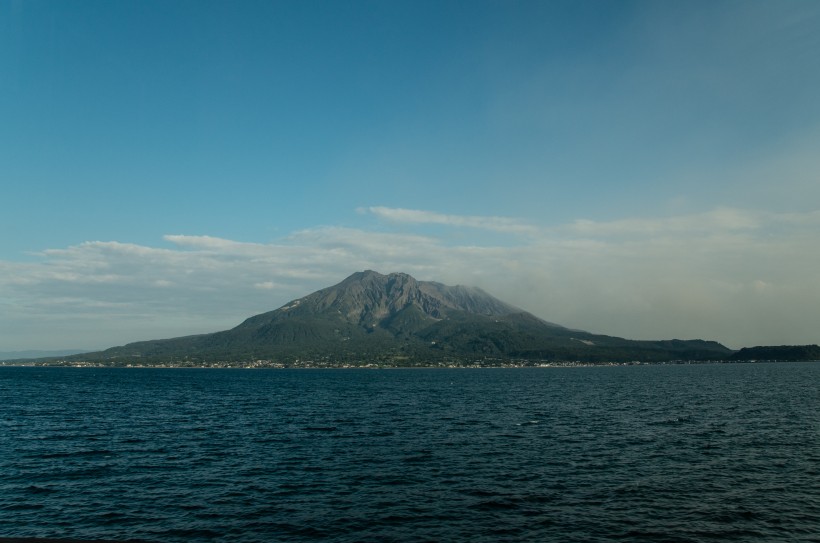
(737, 276)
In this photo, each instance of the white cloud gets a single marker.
(215, 245)
(266, 285)
(496, 224)
(732, 275)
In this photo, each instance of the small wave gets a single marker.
(382, 433)
(672, 421)
(423, 456)
(22, 507)
(76, 454)
(495, 505)
(34, 489)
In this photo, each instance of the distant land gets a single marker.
(18, 355)
(781, 352)
(370, 319)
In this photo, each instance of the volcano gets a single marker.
(394, 318)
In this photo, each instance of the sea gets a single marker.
(662, 453)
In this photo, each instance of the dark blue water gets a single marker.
(652, 453)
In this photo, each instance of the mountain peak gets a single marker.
(369, 297)
(374, 276)
(387, 294)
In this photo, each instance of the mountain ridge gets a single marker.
(396, 319)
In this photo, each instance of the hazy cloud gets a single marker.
(718, 220)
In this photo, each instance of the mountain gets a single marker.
(778, 352)
(395, 319)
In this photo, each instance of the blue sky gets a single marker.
(644, 169)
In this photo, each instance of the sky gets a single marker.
(649, 170)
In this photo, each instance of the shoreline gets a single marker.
(378, 366)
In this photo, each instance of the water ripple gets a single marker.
(661, 453)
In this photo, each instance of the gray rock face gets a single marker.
(369, 298)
